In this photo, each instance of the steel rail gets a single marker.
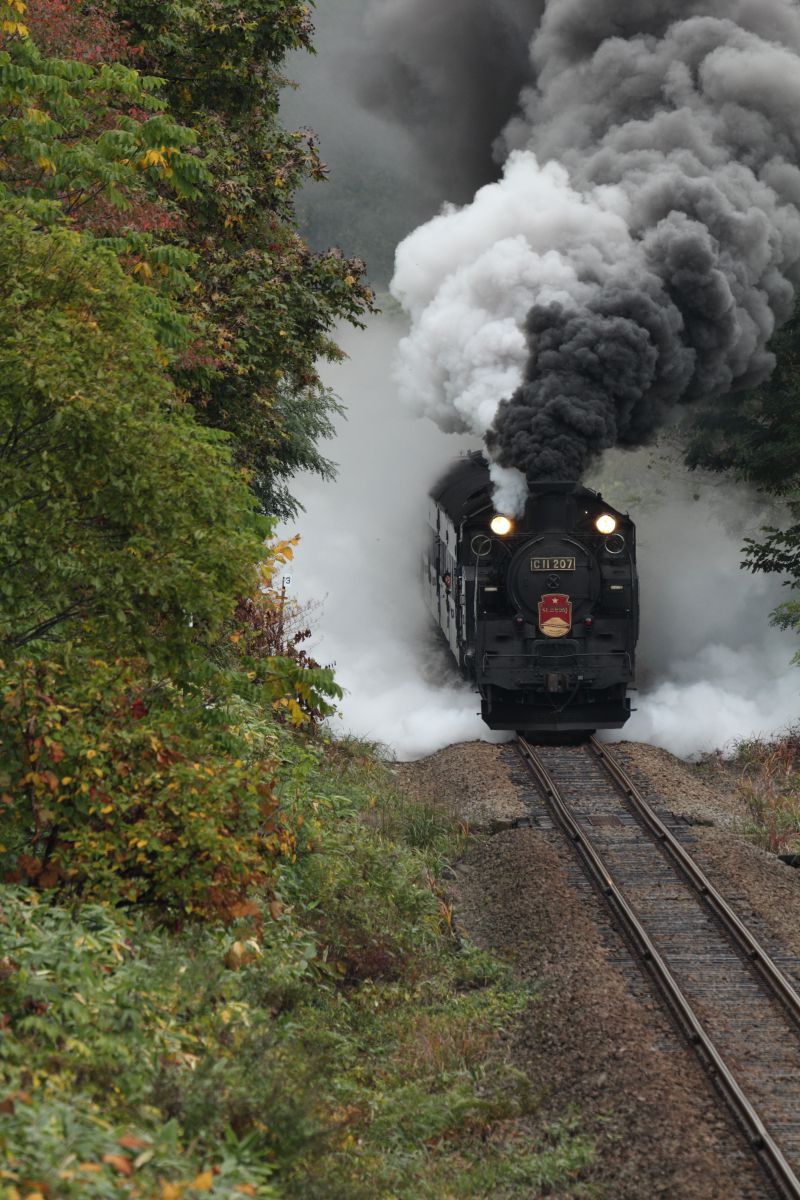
(747, 943)
(758, 1136)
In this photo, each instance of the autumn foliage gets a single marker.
(137, 646)
(111, 792)
(89, 144)
(68, 29)
(154, 127)
(119, 783)
(223, 954)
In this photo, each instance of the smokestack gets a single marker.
(551, 505)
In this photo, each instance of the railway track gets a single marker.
(729, 998)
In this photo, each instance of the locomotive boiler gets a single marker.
(541, 612)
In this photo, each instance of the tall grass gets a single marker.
(769, 783)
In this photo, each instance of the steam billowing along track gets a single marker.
(729, 998)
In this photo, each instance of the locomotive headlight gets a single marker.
(605, 524)
(501, 526)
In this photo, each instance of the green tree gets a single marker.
(91, 146)
(267, 304)
(756, 434)
(119, 514)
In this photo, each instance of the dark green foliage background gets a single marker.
(755, 437)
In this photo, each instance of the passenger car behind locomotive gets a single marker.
(541, 613)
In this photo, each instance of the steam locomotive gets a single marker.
(542, 613)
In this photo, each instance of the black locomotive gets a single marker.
(541, 613)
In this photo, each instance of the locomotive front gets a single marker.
(541, 612)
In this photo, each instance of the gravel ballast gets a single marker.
(760, 887)
(595, 1038)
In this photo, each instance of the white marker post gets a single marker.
(286, 582)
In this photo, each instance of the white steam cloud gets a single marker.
(360, 558)
(711, 668)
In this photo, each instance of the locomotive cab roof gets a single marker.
(464, 488)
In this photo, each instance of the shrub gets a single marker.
(114, 791)
(95, 1009)
(770, 786)
(204, 1061)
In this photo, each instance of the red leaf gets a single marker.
(129, 1142)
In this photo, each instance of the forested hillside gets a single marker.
(150, 410)
(226, 967)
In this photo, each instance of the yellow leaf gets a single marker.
(46, 164)
(153, 158)
(143, 268)
(14, 27)
(203, 1182)
(107, 808)
(236, 637)
(171, 1191)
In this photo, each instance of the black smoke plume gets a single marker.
(681, 121)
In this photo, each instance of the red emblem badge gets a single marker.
(555, 615)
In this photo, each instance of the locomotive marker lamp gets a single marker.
(605, 523)
(501, 526)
